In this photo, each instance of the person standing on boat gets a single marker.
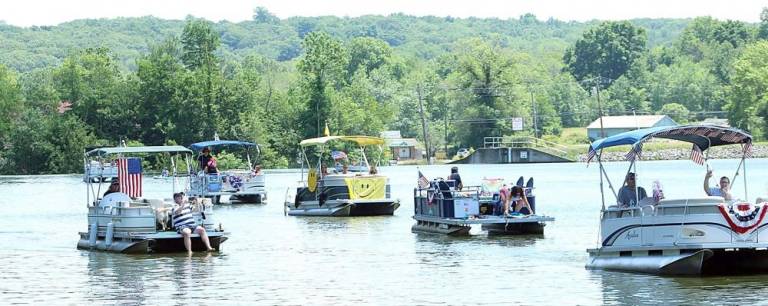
(724, 190)
(207, 162)
(627, 194)
(504, 199)
(184, 223)
(456, 178)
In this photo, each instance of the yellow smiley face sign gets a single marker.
(312, 180)
(366, 188)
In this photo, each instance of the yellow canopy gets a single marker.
(360, 140)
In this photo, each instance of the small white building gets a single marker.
(401, 148)
(613, 125)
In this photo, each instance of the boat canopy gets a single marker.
(704, 136)
(198, 146)
(133, 150)
(360, 140)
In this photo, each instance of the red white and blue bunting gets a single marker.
(743, 217)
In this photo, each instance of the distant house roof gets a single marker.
(390, 134)
(715, 121)
(613, 122)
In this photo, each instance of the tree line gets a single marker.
(190, 84)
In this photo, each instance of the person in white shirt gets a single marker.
(724, 190)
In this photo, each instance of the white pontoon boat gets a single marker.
(688, 236)
(95, 171)
(119, 223)
(241, 185)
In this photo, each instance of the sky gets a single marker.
(51, 12)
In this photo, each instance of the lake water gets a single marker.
(274, 259)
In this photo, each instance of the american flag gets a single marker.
(696, 155)
(337, 155)
(748, 150)
(591, 155)
(423, 181)
(129, 175)
(634, 153)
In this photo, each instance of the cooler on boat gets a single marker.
(214, 182)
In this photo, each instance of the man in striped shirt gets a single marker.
(184, 223)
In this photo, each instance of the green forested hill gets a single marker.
(448, 82)
(24, 49)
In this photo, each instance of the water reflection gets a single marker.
(621, 288)
(143, 278)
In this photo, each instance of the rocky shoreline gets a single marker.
(724, 152)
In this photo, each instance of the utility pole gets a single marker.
(535, 116)
(423, 124)
(600, 107)
(445, 140)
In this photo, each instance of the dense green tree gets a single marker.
(11, 102)
(262, 15)
(322, 71)
(748, 106)
(90, 80)
(485, 76)
(367, 54)
(762, 32)
(606, 51)
(676, 111)
(159, 108)
(199, 43)
(571, 102)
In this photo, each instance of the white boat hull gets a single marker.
(684, 237)
(680, 264)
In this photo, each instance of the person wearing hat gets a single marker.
(456, 178)
(184, 223)
(114, 186)
(207, 162)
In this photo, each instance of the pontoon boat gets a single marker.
(123, 222)
(340, 194)
(687, 236)
(241, 185)
(442, 209)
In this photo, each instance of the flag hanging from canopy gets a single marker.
(337, 155)
(129, 175)
(696, 155)
(423, 181)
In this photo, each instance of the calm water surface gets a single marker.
(273, 259)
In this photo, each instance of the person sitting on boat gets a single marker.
(518, 198)
(345, 169)
(627, 195)
(184, 223)
(114, 186)
(724, 190)
(372, 170)
(456, 178)
(164, 173)
(323, 170)
(257, 170)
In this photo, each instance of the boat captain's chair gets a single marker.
(446, 205)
